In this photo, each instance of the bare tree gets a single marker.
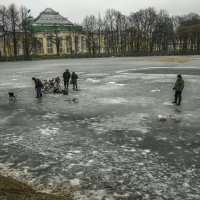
(90, 27)
(4, 23)
(14, 21)
(136, 25)
(188, 32)
(56, 39)
(100, 27)
(123, 33)
(111, 21)
(29, 41)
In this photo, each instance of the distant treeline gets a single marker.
(146, 32)
(16, 32)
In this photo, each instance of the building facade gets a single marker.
(57, 35)
(52, 34)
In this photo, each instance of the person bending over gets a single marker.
(38, 87)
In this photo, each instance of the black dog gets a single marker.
(12, 97)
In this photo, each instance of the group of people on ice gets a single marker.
(178, 87)
(68, 78)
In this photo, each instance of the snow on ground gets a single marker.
(109, 143)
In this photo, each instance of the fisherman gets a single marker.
(74, 80)
(38, 87)
(66, 77)
(178, 87)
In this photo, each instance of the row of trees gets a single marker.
(16, 31)
(144, 32)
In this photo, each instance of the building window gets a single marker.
(68, 44)
(76, 41)
(49, 46)
(60, 39)
(39, 46)
(82, 44)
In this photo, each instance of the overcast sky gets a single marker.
(76, 10)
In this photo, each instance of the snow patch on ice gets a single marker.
(75, 151)
(161, 138)
(156, 90)
(51, 116)
(48, 131)
(162, 117)
(146, 151)
(89, 163)
(75, 182)
(93, 80)
(94, 195)
(168, 103)
(114, 83)
(117, 100)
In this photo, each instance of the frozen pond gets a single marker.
(109, 144)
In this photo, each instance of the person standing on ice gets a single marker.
(178, 87)
(74, 80)
(66, 77)
(38, 87)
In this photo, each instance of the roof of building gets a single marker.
(49, 20)
(49, 16)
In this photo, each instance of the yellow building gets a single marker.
(57, 35)
(52, 35)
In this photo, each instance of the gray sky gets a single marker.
(76, 10)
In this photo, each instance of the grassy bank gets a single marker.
(14, 190)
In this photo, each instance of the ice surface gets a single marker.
(109, 144)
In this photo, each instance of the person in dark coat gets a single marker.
(38, 87)
(74, 80)
(178, 87)
(66, 77)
